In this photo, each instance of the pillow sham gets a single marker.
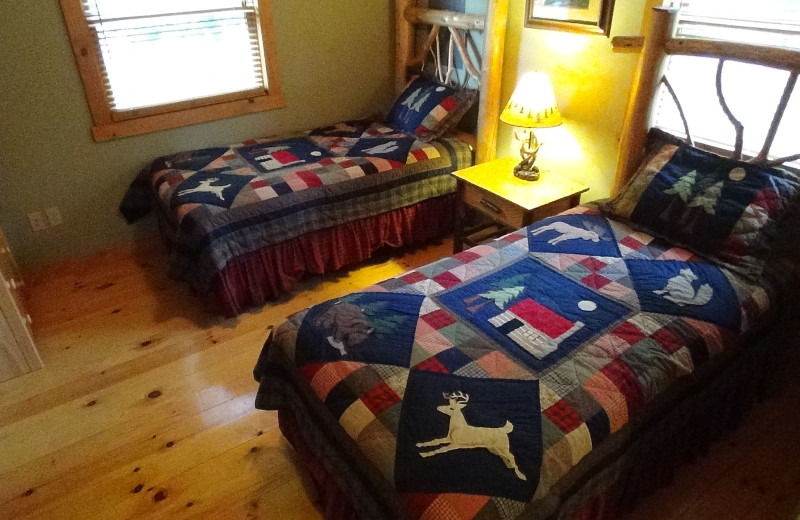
(720, 208)
(427, 109)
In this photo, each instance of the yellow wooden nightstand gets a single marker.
(511, 203)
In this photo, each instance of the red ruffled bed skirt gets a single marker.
(265, 274)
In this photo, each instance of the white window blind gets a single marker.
(752, 92)
(157, 52)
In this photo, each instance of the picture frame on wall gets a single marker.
(583, 16)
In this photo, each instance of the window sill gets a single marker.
(190, 116)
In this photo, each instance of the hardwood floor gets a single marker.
(145, 409)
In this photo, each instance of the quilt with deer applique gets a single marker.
(477, 386)
(226, 202)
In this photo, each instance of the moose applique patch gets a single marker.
(576, 234)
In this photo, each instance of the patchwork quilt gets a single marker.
(229, 201)
(475, 386)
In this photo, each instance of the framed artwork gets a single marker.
(585, 16)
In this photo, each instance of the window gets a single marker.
(149, 65)
(752, 92)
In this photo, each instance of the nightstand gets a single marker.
(509, 202)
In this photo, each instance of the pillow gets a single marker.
(427, 109)
(720, 208)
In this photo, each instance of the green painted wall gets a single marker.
(335, 62)
(591, 85)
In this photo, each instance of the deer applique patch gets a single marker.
(206, 186)
(217, 187)
(479, 436)
(461, 435)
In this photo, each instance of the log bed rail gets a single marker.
(655, 48)
(487, 73)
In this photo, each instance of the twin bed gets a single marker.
(561, 371)
(245, 222)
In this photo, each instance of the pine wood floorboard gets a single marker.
(145, 409)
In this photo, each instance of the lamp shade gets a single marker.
(533, 103)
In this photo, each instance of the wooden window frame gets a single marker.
(107, 124)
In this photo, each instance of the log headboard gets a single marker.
(657, 45)
(489, 71)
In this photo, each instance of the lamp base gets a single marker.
(528, 174)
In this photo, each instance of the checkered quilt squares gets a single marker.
(580, 443)
(499, 365)
(327, 376)
(377, 441)
(379, 398)
(430, 342)
(563, 416)
(395, 377)
(355, 418)
(455, 507)
(609, 396)
(432, 365)
(507, 509)
(629, 332)
(472, 369)
(438, 319)
(619, 373)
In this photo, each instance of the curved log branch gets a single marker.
(737, 125)
(451, 61)
(462, 49)
(672, 93)
(417, 61)
(791, 81)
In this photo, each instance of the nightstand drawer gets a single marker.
(511, 203)
(495, 206)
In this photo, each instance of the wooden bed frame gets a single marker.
(655, 48)
(409, 15)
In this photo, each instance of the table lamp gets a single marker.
(532, 105)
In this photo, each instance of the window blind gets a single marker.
(157, 52)
(752, 92)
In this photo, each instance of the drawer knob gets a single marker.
(490, 206)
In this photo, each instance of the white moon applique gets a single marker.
(737, 174)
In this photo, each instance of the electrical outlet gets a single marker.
(54, 216)
(38, 223)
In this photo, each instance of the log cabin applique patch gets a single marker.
(533, 312)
